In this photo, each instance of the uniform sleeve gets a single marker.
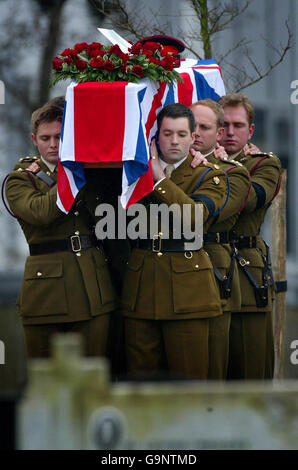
(211, 194)
(238, 188)
(29, 203)
(264, 182)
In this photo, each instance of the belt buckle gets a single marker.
(156, 237)
(76, 238)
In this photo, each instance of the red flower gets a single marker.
(94, 51)
(123, 68)
(167, 63)
(70, 52)
(124, 57)
(80, 46)
(152, 46)
(136, 48)
(57, 63)
(154, 60)
(96, 62)
(68, 60)
(138, 70)
(115, 50)
(108, 65)
(80, 64)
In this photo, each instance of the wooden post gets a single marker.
(278, 240)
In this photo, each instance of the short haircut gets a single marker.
(216, 108)
(49, 112)
(238, 99)
(174, 111)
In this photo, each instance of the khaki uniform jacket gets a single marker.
(57, 287)
(264, 169)
(220, 254)
(172, 286)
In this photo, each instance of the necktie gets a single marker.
(168, 170)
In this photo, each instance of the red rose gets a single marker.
(108, 65)
(152, 46)
(68, 60)
(123, 68)
(136, 48)
(80, 64)
(124, 57)
(154, 60)
(167, 63)
(96, 62)
(57, 63)
(80, 46)
(94, 51)
(138, 70)
(115, 50)
(70, 52)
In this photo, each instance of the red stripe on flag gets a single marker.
(185, 90)
(65, 194)
(99, 121)
(143, 187)
(206, 67)
(156, 104)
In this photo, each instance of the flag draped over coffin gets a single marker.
(114, 122)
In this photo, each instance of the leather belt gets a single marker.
(246, 242)
(75, 243)
(219, 237)
(158, 244)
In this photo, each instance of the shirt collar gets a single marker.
(51, 166)
(209, 153)
(164, 164)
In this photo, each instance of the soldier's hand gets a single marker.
(157, 170)
(198, 158)
(220, 152)
(251, 149)
(34, 167)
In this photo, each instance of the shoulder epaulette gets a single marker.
(28, 159)
(263, 154)
(235, 162)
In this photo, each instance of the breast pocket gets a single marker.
(193, 283)
(43, 289)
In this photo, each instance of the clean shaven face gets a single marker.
(175, 139)
(206, 132)
(47, 140)
(237, 130)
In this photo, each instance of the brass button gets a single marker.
(197, 266)
(76, 213)
(216, 180)
(77, 233)
(159, 253)
(48, 173)
(163, 192)
(216, 166)
(39, 273)
(159, 189)
(78, 254)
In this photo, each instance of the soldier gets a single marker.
(251, 336)
(209, 117)
(66, 285)
(170, 297)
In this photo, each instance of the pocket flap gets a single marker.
(135, 262)
(43, 269)
(181, 264)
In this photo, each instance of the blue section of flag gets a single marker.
(204, 90)
(77, 169)
(63, 119)
(206, 62)
(137, 167)
(170, 98)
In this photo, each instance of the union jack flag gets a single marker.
(115, 122)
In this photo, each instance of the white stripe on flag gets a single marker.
(67, 148)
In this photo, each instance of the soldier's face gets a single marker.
(175, 139)
(206, 132)
(237, 130)
(47, 140)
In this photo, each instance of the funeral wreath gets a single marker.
(99, 63)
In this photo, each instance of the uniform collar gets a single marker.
(51, 166)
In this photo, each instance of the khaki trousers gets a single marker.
(176, 349)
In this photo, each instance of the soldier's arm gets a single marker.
(265, 175)
(211, 194)
(28, 203)
(238, 191)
